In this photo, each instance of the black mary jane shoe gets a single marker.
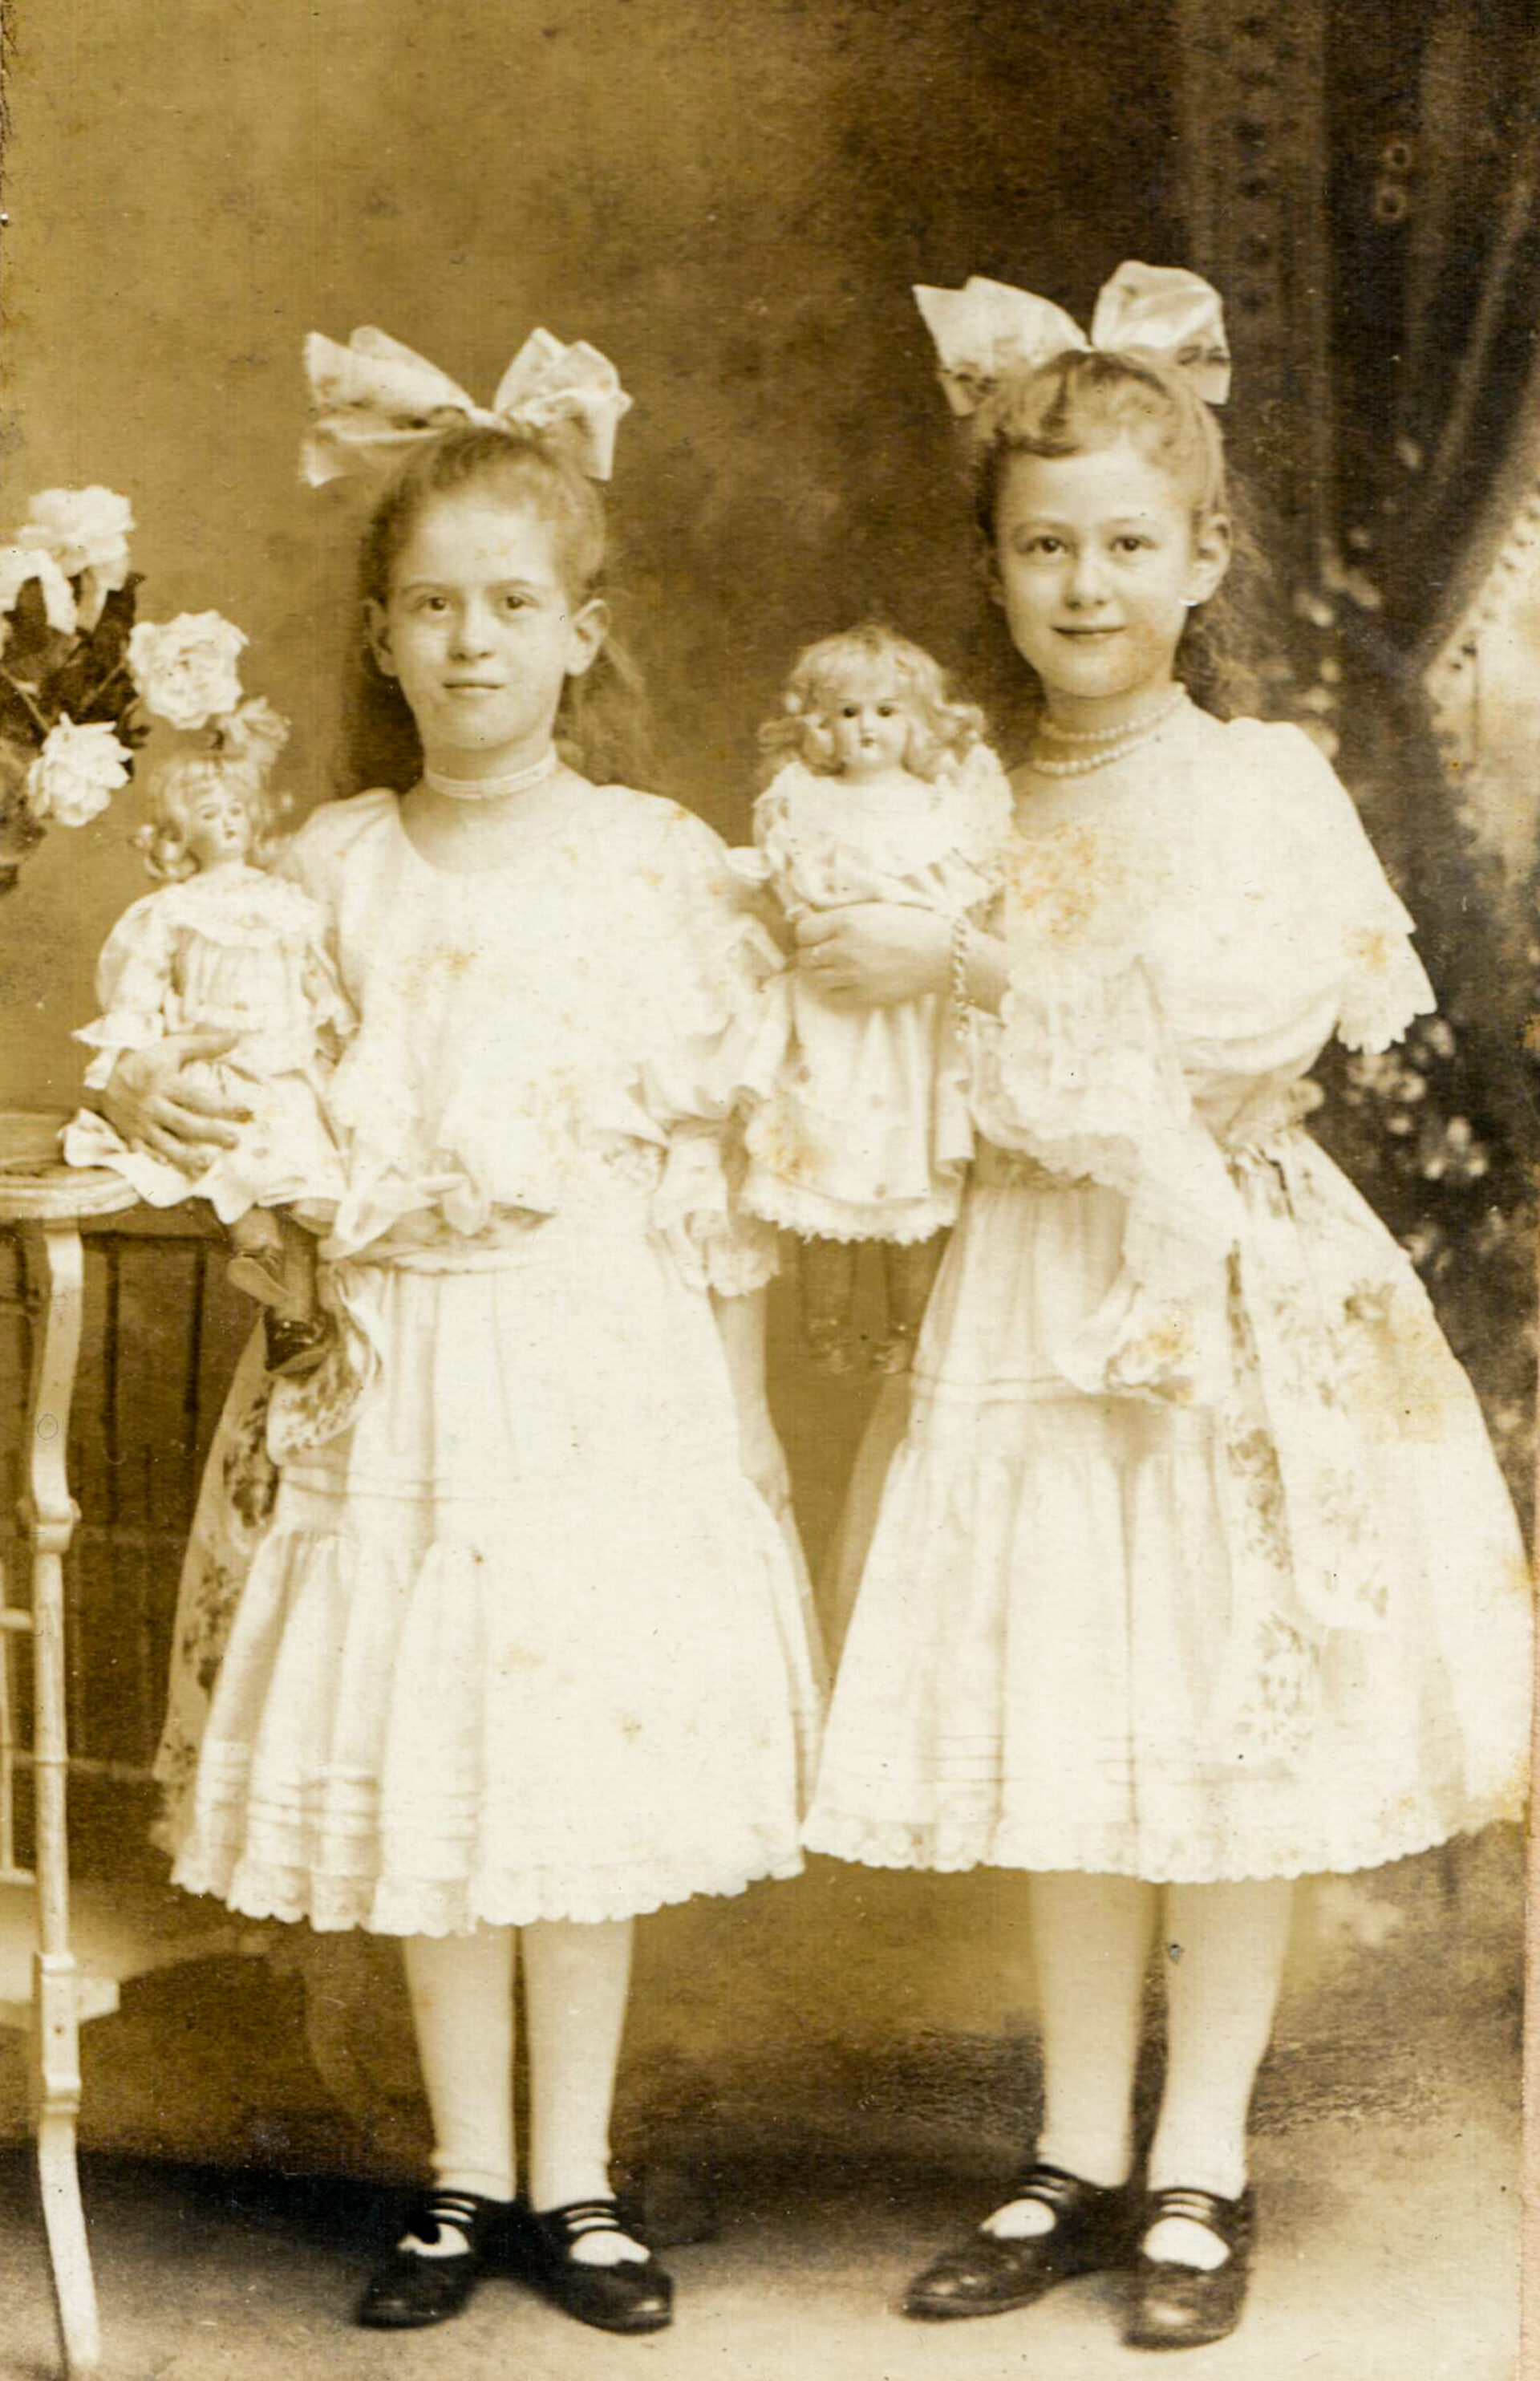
(292, 1347)
(1092, 2229)
(634, 2295)
(1188, 2306)
(410, 2290)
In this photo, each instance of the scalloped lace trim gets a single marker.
(815, 1217)
(418, 1906)
(1161, 1860)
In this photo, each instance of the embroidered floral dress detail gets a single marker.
(1195, 1561)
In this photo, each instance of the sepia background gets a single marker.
(732, 201)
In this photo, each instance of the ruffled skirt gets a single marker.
(1059, 1657)
(521, 1643)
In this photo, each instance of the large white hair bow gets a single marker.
(987, 329)
(374, 400)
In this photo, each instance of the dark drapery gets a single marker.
(1364, 183)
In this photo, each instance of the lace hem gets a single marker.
(812, 1217)
(1158, 1860)
(332, 1904)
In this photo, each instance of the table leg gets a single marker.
(56, 1267)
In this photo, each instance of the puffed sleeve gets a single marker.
(133, 981)
(712, 960)
(1382, 984)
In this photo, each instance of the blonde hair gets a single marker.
(838, 668)
(173, 787)
(1091, 397)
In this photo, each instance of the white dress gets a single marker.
(1195, 1561)
(518, 1639)
(241, 951)
(861, 1128)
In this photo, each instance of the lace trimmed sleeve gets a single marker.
(718, 958)
(1082, 1074)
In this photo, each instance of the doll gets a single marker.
(861, 1128)
(225, 948)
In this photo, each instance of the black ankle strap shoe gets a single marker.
(1092, 2229)
(1188, 2306)
(410, 2290)
(633, 2295)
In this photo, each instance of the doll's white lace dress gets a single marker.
(860, 1128)
(243, 951)
(511, 1635)
(1195, 1561)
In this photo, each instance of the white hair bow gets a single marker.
(987, 329)
(374, 400)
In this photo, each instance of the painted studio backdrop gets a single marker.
(733, 202)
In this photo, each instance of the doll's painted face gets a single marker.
(868, 726)
(1098, 561)
(218, 825)
(479, 630)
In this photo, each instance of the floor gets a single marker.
(1378, 2259)
(1386, 2138)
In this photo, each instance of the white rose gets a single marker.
(76, 773)
(185, 668)
(86, 532)
(17, 564)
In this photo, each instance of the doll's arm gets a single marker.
(133, 984)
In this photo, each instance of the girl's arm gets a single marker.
(741, 1322)
(876, 953)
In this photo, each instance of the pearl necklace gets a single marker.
(1114, 744)
(491, 790)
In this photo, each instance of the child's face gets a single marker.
(478, 632)
(217, 827)
(868, 727)
(1097, 564)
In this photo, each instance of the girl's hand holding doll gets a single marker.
(878, 952)
(156, 1103)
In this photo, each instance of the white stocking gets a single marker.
(576, 1980)
(461, 1992)
(1091, 1944)
(1223, 1960)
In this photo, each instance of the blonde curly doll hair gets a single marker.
(175, 785)
(842, 668)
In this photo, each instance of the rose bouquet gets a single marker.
(81, 680)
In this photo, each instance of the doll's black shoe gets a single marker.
(1092, 2229)
(635, 2295)
(894, 1354)
(291, 1346)
(1188, 2306)
(828, 1345)
(410, 2290)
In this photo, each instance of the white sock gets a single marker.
(461, 1988)
(1223, 1956)
(576, 1981)
(1090, 1946)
